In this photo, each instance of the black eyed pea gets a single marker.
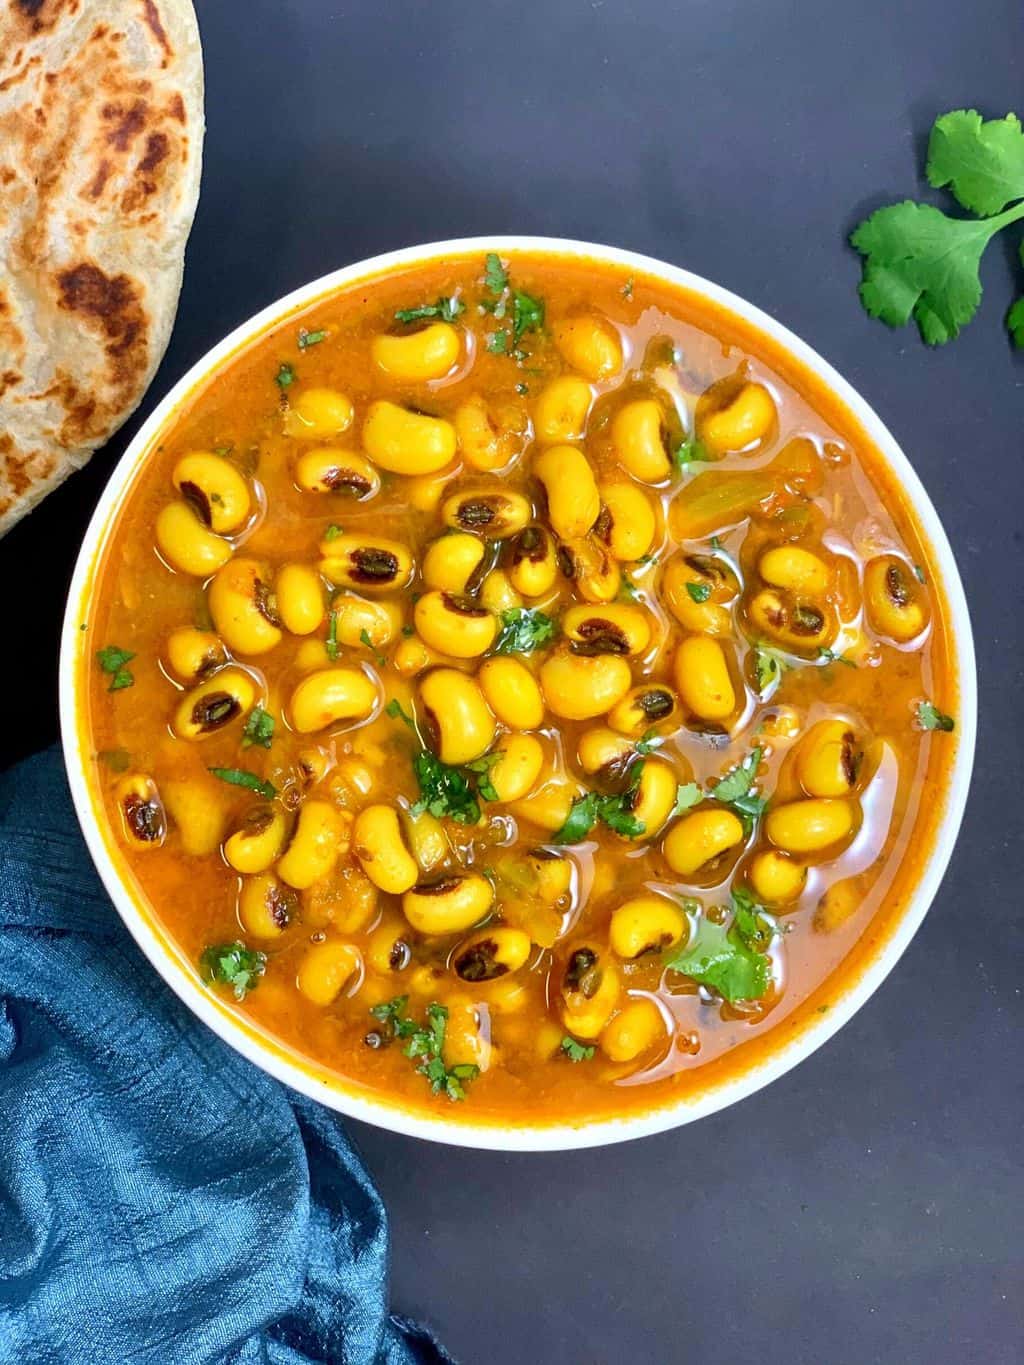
(265, 907)
(214, 489)
(829, 759)
(809, 827)
(603, 750)
(325, 469)
(491, 954)
(405, 442)
(314, 414)
(191, 653)
(648, 706)
(700, 841)
(467, 1039)
(412, 656)
(627, 523)
(331, 695)
(388, 949)
(426, 840)
(839, 901)
(573, 500)
(325, 969)
(311, 655)
(198, 811)
(895, 601)
(457, 722)
(797, 570)
(299, 597)
(645, 924)
(488, 441)
(590, 990)
(497, 593)
(803, 627)
(320, 836)
(366, 563)
(640, 439)
(518, 767)
(553, 877)
(610, 629)
(591, 345)
(579, 687)
(488, 512)
(561, 411)
(703, 679)
(244, 607)
(186, 544)
(357, 619)
(652, 800)
(457, 626)
(633, 1031)
(257, 844)
(424, 492)
(313, 765)
(419, 356)
(549, 806)
(378, 842)
(142, 811)
(533, 563)
(225, 697)
(591, 568)
(775, 877)
(512, 692)
(735, 415)
(451, 561)
(695, 591)
(448, 906)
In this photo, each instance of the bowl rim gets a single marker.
(487, 1134)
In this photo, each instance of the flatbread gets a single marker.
(101, 132)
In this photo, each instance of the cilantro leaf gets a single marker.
(234, 965)
(495, 274)
(113, 661)
(576, 1052)
(447, 309)
(259, 729)
(581, 820)
(982, 163)
(307, 339)
(364, 639)
(527, 313)
(444, 790)
(719, 959)
(425, 1043)
(699, 592)
(614, 811)
(767, 667)
(331, 643)
(480, 767)
(524, 629)
(395, 710)
(929, 717)
(497, 343)
(688, 794)
(239, 777)
(751, 921)
(285, 376)
(831, 657)
(689, 451)
(738, 782)
(333, 532)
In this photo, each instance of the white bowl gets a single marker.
(317, 1082)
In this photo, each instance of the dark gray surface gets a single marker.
(867, 1207)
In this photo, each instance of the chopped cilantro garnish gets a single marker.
(364, 639)
(395, 710)
(723, 961)
(689, 451)
(495, 274)
(919, 574)
(829, 656)
(699, 592)
(628, 590)
(444, 790)
(524, 629)
(234, 965)
(425, 1043)
(614, 811)
(331, 643)
(735, 788)
(259, 729)
(113, 661)
(285, 376)
(307, 339)
(767, 667)
(239, 777)
(447, 309)
(497, 343)
(481, 767)
(929, 717)
(576, 1052)
(527, 314)
(333, 532)
(688, 794)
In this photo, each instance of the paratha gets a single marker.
(101, 129)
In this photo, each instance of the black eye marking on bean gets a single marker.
(197, 500)
(214, 710)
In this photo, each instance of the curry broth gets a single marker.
(680, 345)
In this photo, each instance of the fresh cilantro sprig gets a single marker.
(921, 264)
(576, 1052)
(616, 812)
(114, 662)
(729, 960)
(425, 1043)
(444, 790)
(239, 777)
(735, 789)
(234, 965)
(307, 339)
(524, 629)
(527, 312)
(689, 451)
(285, 376)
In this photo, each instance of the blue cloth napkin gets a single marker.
(162, 1201)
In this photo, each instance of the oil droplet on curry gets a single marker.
(514, 685)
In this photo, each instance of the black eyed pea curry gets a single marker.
(513, 684)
